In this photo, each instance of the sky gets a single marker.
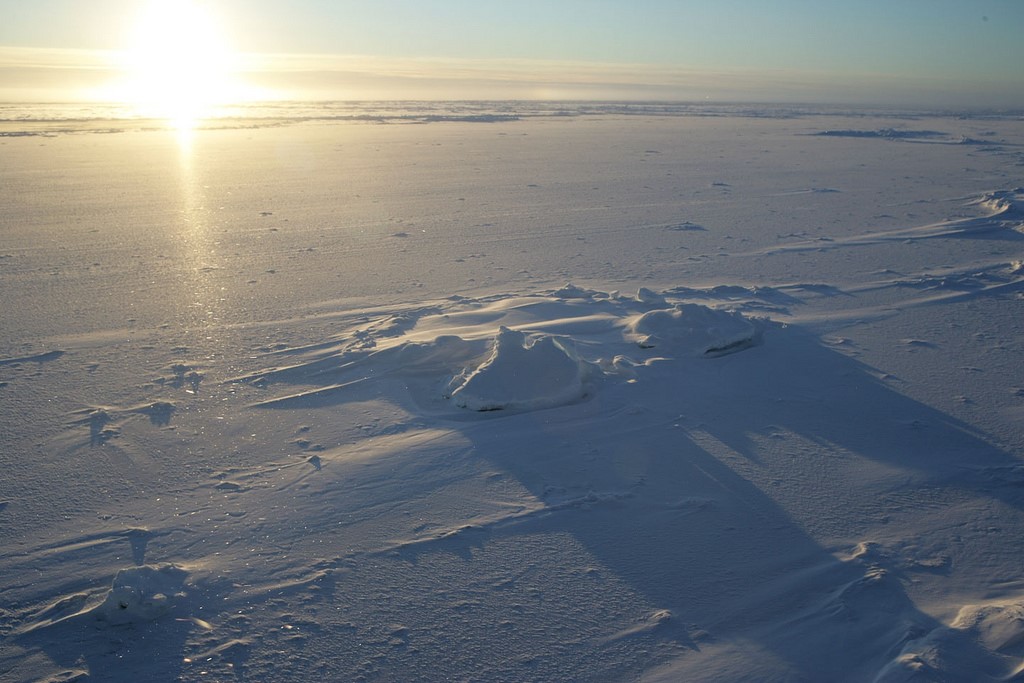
(901, 52)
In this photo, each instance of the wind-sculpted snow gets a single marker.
(519, 353)
(523, 374)
(1005, 205)
(884, 133)
(312, 403)
(136, 595)
(982, 644)
(1002, 211)
(693, 329)
(141, 594)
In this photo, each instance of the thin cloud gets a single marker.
(63, 74)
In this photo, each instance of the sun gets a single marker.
(178, 64)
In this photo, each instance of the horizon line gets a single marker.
(79, 75)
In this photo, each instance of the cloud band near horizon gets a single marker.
(54, 74)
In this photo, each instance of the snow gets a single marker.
(698, 329)
(514, 398)
(141, 594)
(521, 374)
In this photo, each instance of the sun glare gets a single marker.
(178, 64)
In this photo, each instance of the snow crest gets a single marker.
(516, 352)
(1007, 205)
(694, 329)
(522, 373)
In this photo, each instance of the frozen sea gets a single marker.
(502, 391)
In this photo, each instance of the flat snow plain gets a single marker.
(596, 397)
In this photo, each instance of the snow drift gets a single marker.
(771, 431)
(522, 374)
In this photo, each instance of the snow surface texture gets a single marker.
(521, 374)
(140, 594)
(588, 338)
(697, 328)
(590, 393)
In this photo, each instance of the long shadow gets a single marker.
(87, 649)
(80, 644)
(829, 398)
(694, 537)
(631, 475)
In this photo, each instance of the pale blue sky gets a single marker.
(928, 51)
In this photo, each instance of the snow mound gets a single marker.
(647, 296)
(447, 350)
(522, 373)
(984, 643)
(999, 627)
(694, 329)
(141, 594)
(571, 291)
(512, 352)
(1007, 205)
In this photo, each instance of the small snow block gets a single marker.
(141, 594)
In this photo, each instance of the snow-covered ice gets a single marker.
(521, 373)
(570, 393)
